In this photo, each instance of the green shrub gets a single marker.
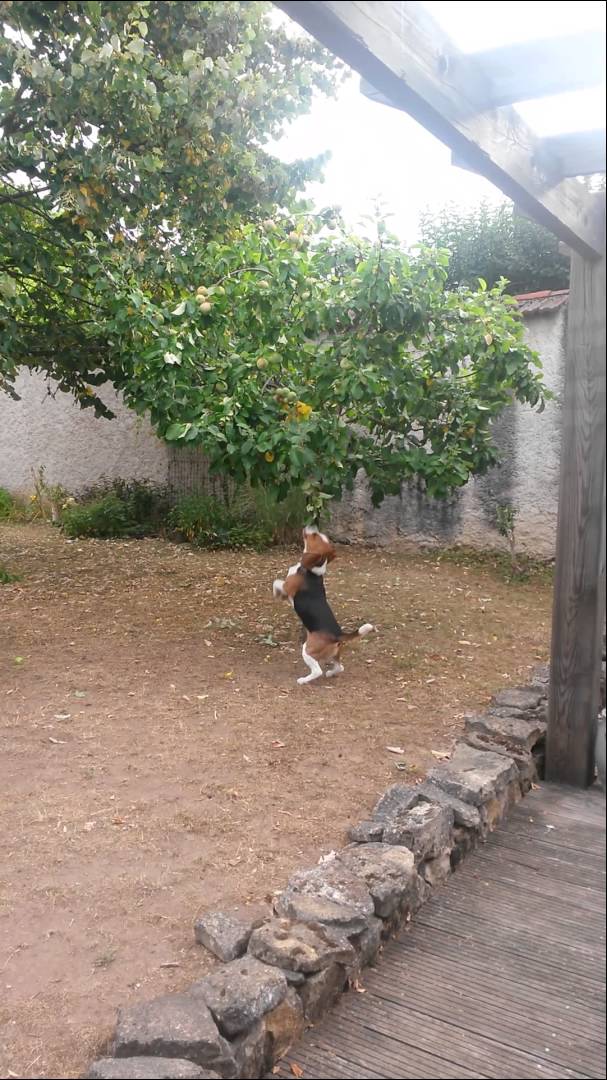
(6, 504)
(115, 508)
(107, 518)
(249, 519)
(147, 504)
(16, 507)
(208, 522)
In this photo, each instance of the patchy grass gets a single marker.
(528, 569)
(7, 577)
(159, 758)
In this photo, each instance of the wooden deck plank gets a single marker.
(591, 867)
(507, 866)
(511, 967)
(515, 999)
(501, 975)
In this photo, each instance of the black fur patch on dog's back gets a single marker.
(311, 604)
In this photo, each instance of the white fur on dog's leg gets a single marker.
(278, 588)
(315, 668)
(335, 669)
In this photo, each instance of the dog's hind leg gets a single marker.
(315, 668)
(335, 669)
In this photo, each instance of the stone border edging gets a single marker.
(285, 971)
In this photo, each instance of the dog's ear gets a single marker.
(311, 558)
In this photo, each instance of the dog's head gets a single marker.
(318, 549)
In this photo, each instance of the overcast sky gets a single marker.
(380, 153)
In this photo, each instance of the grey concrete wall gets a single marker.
(527, 479)
(77, 449)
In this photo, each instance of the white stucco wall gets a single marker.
(75, 447)
(527, 479)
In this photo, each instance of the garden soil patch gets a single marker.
(159, 758)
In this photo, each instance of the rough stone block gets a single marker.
(464, 842)
(329, 894)
(539, 759)
(511, 732)
(525, 762)
(366, 832)
(284, 1026)
(463, 813)
(540, 679)
(147, 1068)
(522, 698)
(398, 798)
(387, 871)
(240, 993)
(436, 871)
(494, 810)
(298, 947)
(224, 934)
(320, 992)
(420, 892)
(473, 775)
(294, 978)
(173, 1026)
(368, 944)
(251, 1053)
(425, 829)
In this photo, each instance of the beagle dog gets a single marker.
(304, 588)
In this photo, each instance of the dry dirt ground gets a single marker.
(159, 758)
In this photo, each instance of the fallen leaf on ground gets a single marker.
(442, 755)
(297, 1070)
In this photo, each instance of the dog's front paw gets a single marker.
(278, 588)
(302, 681)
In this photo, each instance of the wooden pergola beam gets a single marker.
(536, 69)
(533, 69)
(403, 52)
(579, 153)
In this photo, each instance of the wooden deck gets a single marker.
(502, 973)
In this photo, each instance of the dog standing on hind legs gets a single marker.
(304, 588)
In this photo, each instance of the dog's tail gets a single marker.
(354, 635)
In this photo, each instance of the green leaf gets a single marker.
(136, 47)
(176, 431)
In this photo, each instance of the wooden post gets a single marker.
(579, 587)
